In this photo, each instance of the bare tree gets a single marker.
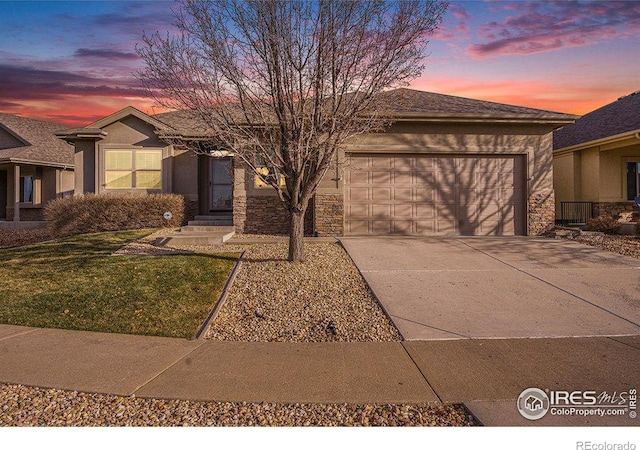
(284, 84)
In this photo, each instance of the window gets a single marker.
(265, 174)
(30, 188)
(133, 169)
(633, 180)
(26, 189)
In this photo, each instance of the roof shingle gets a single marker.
(619, 117)
(41, 144)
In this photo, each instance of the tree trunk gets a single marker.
(296, 236)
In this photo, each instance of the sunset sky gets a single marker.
(73, 62)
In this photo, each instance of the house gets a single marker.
(533, 403)
(35, 167)
(447, 165)
(596, 161)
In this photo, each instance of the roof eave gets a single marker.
(485, 118)
(81, 133)
(597, 142)
(34, 162)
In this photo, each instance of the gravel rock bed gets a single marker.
(323, 299)
(29, 406)
(623, 245)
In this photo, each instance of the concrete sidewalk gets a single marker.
(485, 375)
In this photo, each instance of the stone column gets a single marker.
(16, 193)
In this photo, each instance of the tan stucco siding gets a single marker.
(7, 140)
(613, 172)
(185, 174)
(564, 180)
(590, 175)
(84, 164)
(132, 131)
(65, 182)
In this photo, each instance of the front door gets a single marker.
(220, 185)
(3, 194)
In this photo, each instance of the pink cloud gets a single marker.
(536, 27)
(547, 95)
(459, 11)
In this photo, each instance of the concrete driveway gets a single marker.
(503, 287)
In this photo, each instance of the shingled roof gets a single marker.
(421, 104)
(35, 143)
(621, 116)
(410, 104)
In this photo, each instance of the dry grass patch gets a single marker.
(74, 283)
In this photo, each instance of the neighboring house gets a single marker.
(35, 167)
(597, 160)
(447, 165)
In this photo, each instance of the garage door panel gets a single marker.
(379, 211)
(381, 163)
(359, 177)
(425, 227)
(403, 164)
(426, 195)
(358, 194)
(403, 178)
(402, 194)
(425, 211)
(403, 210)
(403, 227)
(380, 177)
(380, 194)
(358, 210)
(360, 227)
(381, 227)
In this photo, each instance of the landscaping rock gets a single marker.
(29, 406)
(323, 299)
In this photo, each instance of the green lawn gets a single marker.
(74, 284)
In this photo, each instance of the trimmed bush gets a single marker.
(604, 224)
(112, 212)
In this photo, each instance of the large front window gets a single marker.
(633, 180)
(133, 169)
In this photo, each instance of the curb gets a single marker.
(221, 299)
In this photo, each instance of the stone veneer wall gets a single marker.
(267, 215)
(613, 208)
(542, 213)
(190, 209)
(27, 214)
(329, 214)
(239, 212)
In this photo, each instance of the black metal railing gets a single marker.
(575, 213)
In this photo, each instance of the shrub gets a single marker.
(112, 212)
(605, 224)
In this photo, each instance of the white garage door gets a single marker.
(434, 195)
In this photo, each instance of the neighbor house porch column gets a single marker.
(16, 193)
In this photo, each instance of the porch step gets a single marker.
(217, 219)
(206, 228)
(196, 238)
(212, 223)
(214, 216)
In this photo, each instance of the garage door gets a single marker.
(434, 195)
